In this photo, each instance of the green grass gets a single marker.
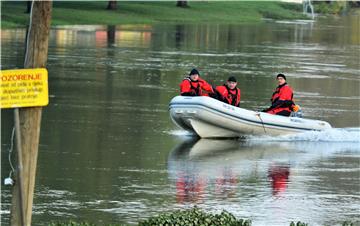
(95, 13)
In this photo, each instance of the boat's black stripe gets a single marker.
(244, 119)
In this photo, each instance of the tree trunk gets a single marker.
(182, 4)
(112, 5)
(30, 118)
(28, 6)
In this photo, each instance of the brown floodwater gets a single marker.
(109, 152)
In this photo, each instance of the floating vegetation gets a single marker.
(73, 223)
(190, 217)
(348, 223)
(298, 224)
(194, 217)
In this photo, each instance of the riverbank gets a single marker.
(95, 13)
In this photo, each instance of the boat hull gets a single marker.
(210, 118)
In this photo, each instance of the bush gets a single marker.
(193, 217)
(292, 6)
(329, 8)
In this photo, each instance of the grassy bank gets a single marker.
(95, 13)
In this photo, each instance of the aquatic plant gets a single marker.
(193, 217)
(298, 224)
(348, 223)
(73, 223)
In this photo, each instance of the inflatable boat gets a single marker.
(210, 118)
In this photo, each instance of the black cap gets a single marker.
(281, 75)
(231, 79)
(194, 72)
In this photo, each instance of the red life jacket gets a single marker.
(230, 96)
(283, 93)
(195, 87)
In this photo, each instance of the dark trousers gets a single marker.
(284, 113)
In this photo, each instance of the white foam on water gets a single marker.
(351, 135)
(301, 22)
(331, 135)
(151, 86)
(180, 133)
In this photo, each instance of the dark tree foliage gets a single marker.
(354, 3)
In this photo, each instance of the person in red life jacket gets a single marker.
(229, 93)
(193, 85)
(282, 98)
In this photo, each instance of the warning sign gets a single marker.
(24, 88)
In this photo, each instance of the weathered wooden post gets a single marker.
(30, 117)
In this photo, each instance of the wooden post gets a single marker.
(30, 118)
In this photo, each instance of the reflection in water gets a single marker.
(279, 175)
(179, 35)
(204, 168)
(111, 31)
(98, 36)
(225, 184)
(192, 180)
(275, 178)
(189, 187)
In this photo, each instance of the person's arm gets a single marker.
(220, 95)
(277, 104)
(185, 89)
(188, 94)
(206, 86)
(215, 94)
(239, 97)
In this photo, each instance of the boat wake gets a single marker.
(330, 135)
(181, 133)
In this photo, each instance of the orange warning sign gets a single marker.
(24, 88)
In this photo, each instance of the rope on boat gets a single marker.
(262, 122)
